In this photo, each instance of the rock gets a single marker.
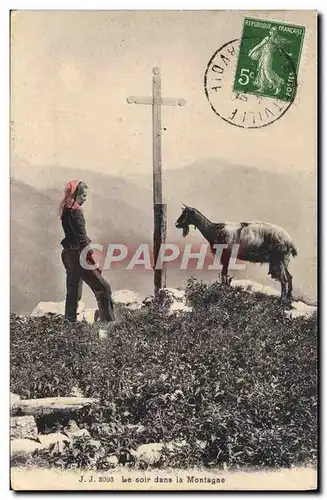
(175, 293)
(127, 298)
(293, 314)
(112, 460)
(103, 334)
(14, 398)
(268, 290)
(176, 299)
(23, 427)
(151, 453)
(25, 446)
(148, 301)
(49, 307)
(301, 306)
(88, 315)
(254, 287)
(73, 431)
(43, 308)
(177, 307)
(56, 437)
(300, 310)
(71, 427)
(44, 406)
(95, 443)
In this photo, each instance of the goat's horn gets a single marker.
(184, 205)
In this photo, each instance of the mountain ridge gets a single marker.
(120, 211)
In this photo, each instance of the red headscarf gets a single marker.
(68, 200)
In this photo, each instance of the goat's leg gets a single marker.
(225, 258)
(283, 283)
(277, 272)
(289, 283)
(224, 272)
(283, 289)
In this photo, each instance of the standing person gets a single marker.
(76, 239)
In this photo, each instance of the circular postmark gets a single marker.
(242, 109)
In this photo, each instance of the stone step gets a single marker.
(22, 427)
(46, 406)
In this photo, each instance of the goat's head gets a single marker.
(185, 220)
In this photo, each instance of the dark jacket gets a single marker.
(73, 224)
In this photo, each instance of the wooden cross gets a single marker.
(159, 208)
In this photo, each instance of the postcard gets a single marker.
(164, 309)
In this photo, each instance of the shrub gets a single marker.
(234, 375)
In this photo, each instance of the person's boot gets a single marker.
(96, 315)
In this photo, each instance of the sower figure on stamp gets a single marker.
(264, 53)
(76, 239)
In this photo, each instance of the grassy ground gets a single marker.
(234, 379)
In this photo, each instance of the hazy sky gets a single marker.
(72, 72)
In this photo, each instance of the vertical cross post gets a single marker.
(156, 128)
(159, 208)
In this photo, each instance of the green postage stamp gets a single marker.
(269, 58)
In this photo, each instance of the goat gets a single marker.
(259, 242)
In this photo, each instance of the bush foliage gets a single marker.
(234, 379)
